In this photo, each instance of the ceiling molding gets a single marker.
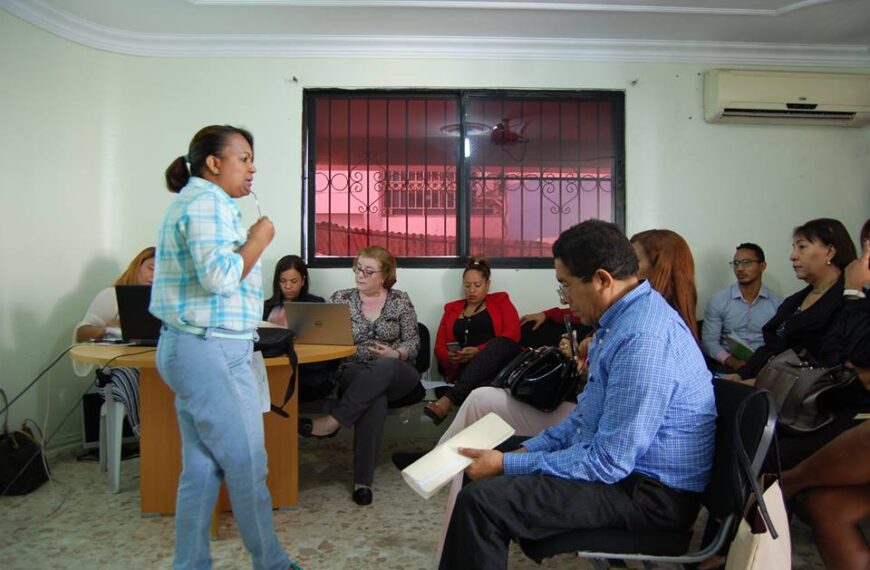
(118, 41)
(519, 5)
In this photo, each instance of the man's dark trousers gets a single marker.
(491, 512)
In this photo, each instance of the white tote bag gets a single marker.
(754, 546)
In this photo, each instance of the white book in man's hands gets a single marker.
(432, 471)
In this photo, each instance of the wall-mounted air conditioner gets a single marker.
(792, 98)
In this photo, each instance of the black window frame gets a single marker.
(463, 198)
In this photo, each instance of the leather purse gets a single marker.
(798, 388)
(542, 378)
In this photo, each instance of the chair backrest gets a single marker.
(424, 355)
(746, 421)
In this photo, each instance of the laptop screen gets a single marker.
(320, 323)
(138, 326)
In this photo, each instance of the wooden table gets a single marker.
(159, 440)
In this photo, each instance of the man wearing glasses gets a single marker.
(636, 451)
(735, 315)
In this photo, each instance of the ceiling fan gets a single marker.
(504, 134)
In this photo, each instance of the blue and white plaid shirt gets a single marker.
(648, 406)
(198, 268)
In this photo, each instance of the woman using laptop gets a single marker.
(290, 285)
(208, 292)
(101, 322)
(381, 373)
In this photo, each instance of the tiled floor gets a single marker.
(76, 524)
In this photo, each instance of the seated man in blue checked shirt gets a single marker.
(637, 450)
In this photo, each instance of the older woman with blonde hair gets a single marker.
(381, 373)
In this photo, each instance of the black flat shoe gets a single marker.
(402, 459)
(363, 496)
(306, 427)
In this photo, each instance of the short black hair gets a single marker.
(593, 245)
(829, 231)
(759, 253)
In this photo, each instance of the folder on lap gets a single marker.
(432, 471)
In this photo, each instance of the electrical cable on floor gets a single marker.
(41, 450)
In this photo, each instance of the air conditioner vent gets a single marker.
(790, 114)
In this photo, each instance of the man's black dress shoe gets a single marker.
(363, 496)
(306, 427)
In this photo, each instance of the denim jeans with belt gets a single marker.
(221, 427)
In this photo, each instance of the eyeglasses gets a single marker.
(364, 271)
(744, 262)
(563, 291)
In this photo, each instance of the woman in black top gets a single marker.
(821, 250)
(290, 284)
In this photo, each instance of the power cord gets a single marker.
(35, 380)
(41, 448)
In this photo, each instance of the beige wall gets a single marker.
(86, 136)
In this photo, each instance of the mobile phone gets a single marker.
(569, 330)
(452, 346)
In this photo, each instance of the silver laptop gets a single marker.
(320, 323)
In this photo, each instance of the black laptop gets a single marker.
(138, 326)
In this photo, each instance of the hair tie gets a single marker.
(475, 262)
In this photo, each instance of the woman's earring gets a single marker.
(828, 262)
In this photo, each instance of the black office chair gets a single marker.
(424, 358)
(746, 419)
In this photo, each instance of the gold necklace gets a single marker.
(477, 307)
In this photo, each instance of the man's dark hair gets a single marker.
(759, 253)
(593, 245)
(829, 231)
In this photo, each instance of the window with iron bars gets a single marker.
(437, 176)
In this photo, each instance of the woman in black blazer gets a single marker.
(821, 250)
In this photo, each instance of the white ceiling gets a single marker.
(810, 33)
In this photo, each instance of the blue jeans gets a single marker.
(221, 429)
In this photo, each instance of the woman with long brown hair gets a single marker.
(666, 261)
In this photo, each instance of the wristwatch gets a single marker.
(854, 293)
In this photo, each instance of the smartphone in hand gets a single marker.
(452, 347)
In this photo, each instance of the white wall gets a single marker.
(86, 136)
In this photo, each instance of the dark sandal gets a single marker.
(434, 412)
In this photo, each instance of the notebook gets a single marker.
(435, 469)
(320, 323)
(138, 326)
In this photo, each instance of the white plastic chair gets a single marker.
(111, 433)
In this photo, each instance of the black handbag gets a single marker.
(799, 389)
(275, 342)
(22, 465)
(542, 378)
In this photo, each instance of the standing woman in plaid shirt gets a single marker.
(208, 292)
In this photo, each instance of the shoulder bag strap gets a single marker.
(291, 383)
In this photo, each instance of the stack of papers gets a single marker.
(432, 471)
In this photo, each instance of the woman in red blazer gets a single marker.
(477, 336)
